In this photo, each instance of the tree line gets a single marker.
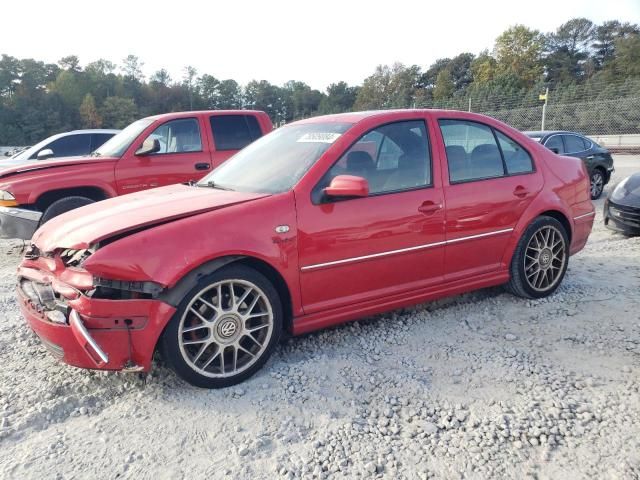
(38, 99)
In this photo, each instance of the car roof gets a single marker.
(205, 112)
(90, 130)
(355, 117)
(545, 133)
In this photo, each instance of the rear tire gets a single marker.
(540, 259)
(596, 185)
(224, 329)
(63, 206)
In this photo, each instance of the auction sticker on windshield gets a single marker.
(319, 137)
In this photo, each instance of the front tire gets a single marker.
(63, 206)
(225, 328)
(540, 259)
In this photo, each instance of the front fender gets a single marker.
(168, 252)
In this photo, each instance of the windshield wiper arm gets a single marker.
(212, 184)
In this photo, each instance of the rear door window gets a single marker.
(472, 151)
(70, 146)
(234, 132)
(516, 158)
(574, 144)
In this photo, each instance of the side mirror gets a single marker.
(554, 150)
(44, 154)
(149, 146)
(347, 186)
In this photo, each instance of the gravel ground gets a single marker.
(477, 386)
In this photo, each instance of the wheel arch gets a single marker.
(174, 294)
(525, 221)
(562, 218)
(45, 199)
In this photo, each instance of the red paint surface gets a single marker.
(171, 231)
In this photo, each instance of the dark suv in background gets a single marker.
(597, 159)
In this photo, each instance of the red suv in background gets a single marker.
(322, 221)
(151, 152)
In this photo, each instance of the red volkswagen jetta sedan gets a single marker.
(320, 222)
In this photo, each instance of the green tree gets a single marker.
(389, 87)
(483, 68)
(627, 59)
(340, 98)
(9, 75)
(518, 52)
(567, 50)
(444, 85)
(229, 95)
(70, 63)
(605, 37)
(132, 68)
(118, 112)
(262, 95)
(89, 113)
(189, 82)
(161, 77)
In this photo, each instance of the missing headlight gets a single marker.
(108, 288)
(73, 258)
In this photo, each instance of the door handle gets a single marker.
(429, 207)
(203, 166)
(521, 191)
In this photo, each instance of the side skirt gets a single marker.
(328, 318)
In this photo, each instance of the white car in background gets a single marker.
(68, 144)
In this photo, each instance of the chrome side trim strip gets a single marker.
(590, 214)
(480, 235)
(76, 321)
(374, 255)
(402, 250)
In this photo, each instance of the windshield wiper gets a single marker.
(212, 184)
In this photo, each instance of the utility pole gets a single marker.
(469, 103)
(544, 97)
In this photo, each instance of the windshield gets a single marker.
(118, 144)
(276, 162)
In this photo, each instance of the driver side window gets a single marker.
(393, 157)
(178, 136)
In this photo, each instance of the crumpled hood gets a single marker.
(8, 170)
(85, 226)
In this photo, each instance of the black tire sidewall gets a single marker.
(64, 205)
(169, 347)
(517, 267)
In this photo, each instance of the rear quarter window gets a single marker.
(234, 132)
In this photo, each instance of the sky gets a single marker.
(279, 40)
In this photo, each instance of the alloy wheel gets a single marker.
(597, 184)
(225, 328)
(545, 258)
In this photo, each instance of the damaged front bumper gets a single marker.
(18, 222)
(85, 332)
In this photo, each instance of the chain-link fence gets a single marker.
(602, 108)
